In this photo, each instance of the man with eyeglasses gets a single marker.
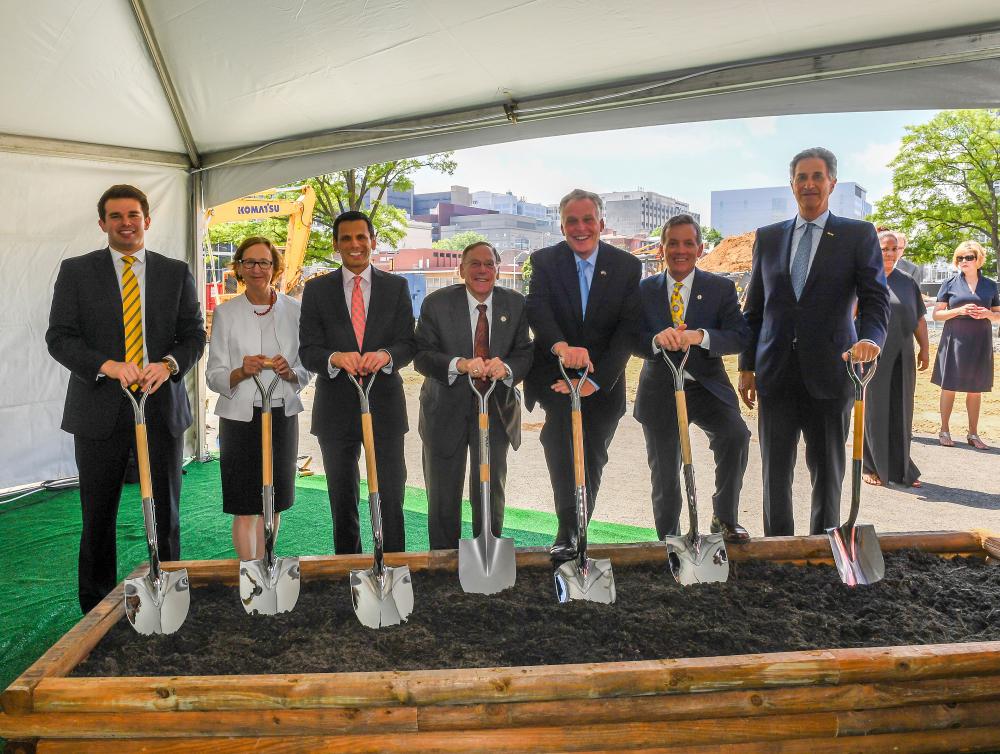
(359, 320)
(469, 330)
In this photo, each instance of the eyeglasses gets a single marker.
(966, 258)
(264, 264)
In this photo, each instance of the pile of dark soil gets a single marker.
(765, 607)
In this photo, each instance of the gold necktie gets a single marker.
(131, 313)
(677, 305)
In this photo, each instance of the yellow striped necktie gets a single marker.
(676, 305)
(131, 313)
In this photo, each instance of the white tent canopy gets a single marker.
(201, 101)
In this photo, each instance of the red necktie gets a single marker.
(481, 345)
(358, 312)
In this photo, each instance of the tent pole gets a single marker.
(198, 267)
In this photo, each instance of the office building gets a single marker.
(630, 212)
(739, 211)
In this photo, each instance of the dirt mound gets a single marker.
(733, 254)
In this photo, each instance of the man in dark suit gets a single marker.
(808, 273)
(358, 319)
(583, 309)
(685, 308)
(123, 316)
(479, 330)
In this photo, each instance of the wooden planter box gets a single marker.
(913, 699)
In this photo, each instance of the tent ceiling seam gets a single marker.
(79, 150)
(729, 79)
(169, 91)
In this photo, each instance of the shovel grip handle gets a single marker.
(682, 426)
(142, 461)
(859, 430)
(484, 461)
(578, 471)
(368, 437)
(267, 455)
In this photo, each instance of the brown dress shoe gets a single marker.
(730, 532)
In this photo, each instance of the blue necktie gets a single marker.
(800, 264)
(581, 269)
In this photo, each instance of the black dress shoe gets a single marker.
(730, 532)
(561, 552)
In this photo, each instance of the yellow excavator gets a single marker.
(270, 203)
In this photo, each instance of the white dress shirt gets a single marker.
(366, 293)
(473, 303)
(817, 234)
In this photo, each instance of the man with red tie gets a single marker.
(124, 315)
(358, 320)
(480, 330)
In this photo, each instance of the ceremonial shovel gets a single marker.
(382, 596)
(693, 558)
(269, 585)
(855, 548)
(582, 578)
(486, 564)
(158, 602)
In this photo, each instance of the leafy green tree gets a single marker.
(346, 190)
(526, 275)
(459, 241)
(711, 236)
(946, 185)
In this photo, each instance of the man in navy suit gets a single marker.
(87, 335)
(358, 320)
(808, 274)
(583, 309)
(685, 308)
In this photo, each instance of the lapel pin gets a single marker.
(604, 272)
(698, 297)
(829, 234)
(503, 317)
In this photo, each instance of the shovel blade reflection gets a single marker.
(486, 566)
(382, 602)
(702, 561)
(269, 591)
(595, 582)
(857, 553)
(162, 609)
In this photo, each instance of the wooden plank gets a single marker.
(519, 684)
(65, 654)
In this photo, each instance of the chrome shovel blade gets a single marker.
(269, 591)
(594, 582)
(158, 609)
(857, 554)
(382, 602)
(701, 561)
(486, 566)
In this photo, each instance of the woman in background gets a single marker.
(889, 413)
(968, 304)
(260, 325)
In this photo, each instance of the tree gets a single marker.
(526, 270)
(945, 185)
(346, 190)
(459, 241)
(711, 236)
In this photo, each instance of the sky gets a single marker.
(686, 161)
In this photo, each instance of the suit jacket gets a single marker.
(608, 331)
(444, 331)
(847, 268)
(325, 327)
(713, 307)
(85, 330)
(235, 334)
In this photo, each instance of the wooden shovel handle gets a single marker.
(142, 461)
(682, 426)
(267, 456)
(859, 430)
(368, 436)
(484, 463)
(578, 470)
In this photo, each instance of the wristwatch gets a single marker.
(171, 366)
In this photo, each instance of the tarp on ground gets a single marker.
(246, 94)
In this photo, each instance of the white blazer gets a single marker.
(235, 334)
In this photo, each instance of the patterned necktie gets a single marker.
(131, 313)
(581, 271)
(481, 344)
(800, 265)
(677, 305)
(358, 312)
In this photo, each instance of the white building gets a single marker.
(508, 204)
(505, 231)
(630, 212)
(739, 211)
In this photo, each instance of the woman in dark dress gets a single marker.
(889, 413)
(968, 304)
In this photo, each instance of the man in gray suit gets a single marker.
(478, 330)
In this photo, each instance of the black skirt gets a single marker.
(240, 462)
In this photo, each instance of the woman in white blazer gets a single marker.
(260, 325)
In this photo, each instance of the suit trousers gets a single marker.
(729, 439)
(340, 462)
(101, 465)
(557, 443)
(443, 477)
(783, 417)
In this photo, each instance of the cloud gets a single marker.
(868, 166)
(765, 126)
